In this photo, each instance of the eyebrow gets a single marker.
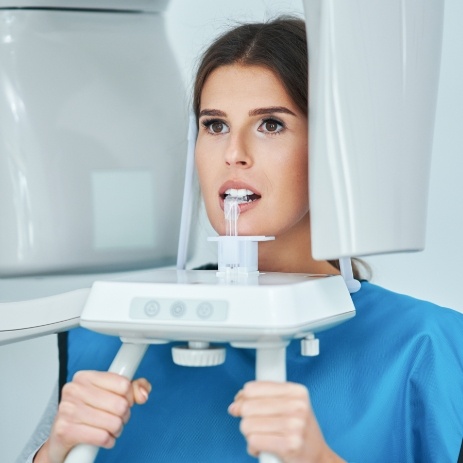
(252, 112)
(270, 110)
(212, 112)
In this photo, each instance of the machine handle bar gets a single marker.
(125, 364)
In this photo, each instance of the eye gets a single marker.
(271, 126)
(215, 127)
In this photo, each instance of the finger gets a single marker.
(104, 380)
(273, 425)
(272, 389)
(98, 398)
(141, 390)
(268, 407)
(71, 434)
(93, 418)
(284, 446)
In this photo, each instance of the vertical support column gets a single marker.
(270, 366)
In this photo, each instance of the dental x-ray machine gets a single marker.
(84, 172)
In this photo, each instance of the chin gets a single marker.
(249, 231)
(244, 229)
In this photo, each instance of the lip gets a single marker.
(238, 185)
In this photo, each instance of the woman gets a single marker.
(387, 386)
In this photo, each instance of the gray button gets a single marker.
(152, 308)
(205, 310)
(178, 309)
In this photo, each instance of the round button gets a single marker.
(204, 310)
(178, 309)
(152, 308)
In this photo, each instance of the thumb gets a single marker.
(141, 390)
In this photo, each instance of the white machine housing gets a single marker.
(91, 108)
(148, 6)
(195, 305)
(374, 69)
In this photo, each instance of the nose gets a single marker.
(237, 153)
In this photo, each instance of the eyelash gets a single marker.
(208, 122)
(272, 119)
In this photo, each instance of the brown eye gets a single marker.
(271, 126)
(217, 127)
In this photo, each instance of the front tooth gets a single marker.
(238, 193)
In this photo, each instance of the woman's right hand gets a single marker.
(93, 410)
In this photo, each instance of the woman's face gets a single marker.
(252, 138)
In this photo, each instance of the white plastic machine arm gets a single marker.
(125, 364)
(188, 195)
(38, 317)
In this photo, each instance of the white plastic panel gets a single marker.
(168, 307)
(374, 68)
(153, 6)
(92, 142)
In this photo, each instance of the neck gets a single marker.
(291, 252)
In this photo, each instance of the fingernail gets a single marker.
(144, 393)
(232, 409)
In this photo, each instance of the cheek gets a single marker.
(294, 189)
(205, 170)
(200, 171)
(204, 164)
(303, 188)
(293, 172)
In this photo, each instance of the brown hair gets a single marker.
(279, 45)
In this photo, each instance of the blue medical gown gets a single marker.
(386, 387)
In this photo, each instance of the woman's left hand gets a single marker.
(277, 418)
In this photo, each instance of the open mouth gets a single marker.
(242, 195)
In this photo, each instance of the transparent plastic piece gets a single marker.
(232, 213)
(237, 255)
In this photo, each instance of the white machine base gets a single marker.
(183, 305)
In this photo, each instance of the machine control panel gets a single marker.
(142, 308)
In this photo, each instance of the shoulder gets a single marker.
(398, 333)
(376, 299)
(404, 317)
(412, 349)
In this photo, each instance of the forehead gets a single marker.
(251, 86)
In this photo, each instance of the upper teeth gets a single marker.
(238, 193)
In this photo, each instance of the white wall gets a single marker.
(29, 369)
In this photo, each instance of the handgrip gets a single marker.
(82, 453)
(125, 364)
(270, 366)
(267, 458)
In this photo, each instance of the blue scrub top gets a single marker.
(386, 387)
